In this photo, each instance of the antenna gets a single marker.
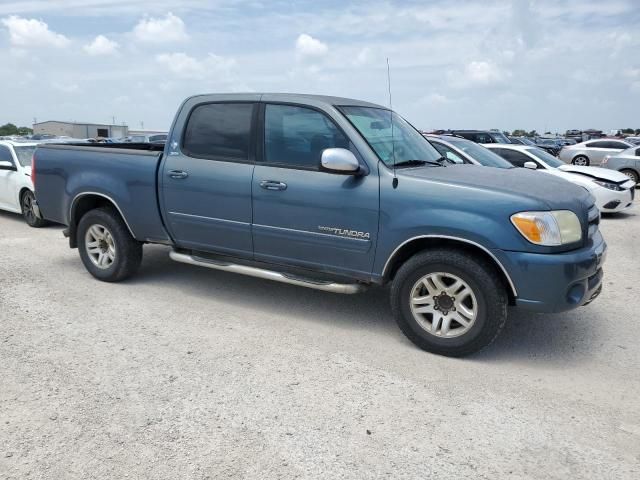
(393, 142)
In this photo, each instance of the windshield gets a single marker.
(546, 157)
(25, 154)
(482, 155)
(526, 141)
(500, 137)
(406, 143)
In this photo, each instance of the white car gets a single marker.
(16, 188)
(592, 152)
(613, 191)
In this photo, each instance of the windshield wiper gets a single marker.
(412, 163)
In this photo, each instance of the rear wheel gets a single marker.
(631, 174)
(581, 160)
(27, 204)
(449, 302)
(107, 249)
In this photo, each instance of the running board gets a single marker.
(346, 288)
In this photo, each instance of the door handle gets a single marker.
(273, 185)
(177, 174)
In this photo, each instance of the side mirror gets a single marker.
(531, 165)
(7, 166)
(339, 160)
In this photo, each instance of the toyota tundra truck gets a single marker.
(337, 195)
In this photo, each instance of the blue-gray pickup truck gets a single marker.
(333, 194)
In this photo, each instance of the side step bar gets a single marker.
(346, 288)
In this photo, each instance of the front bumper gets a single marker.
(556, 282)
(611, 201)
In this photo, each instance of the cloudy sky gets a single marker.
(545, 65)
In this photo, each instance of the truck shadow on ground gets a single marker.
(558, 337)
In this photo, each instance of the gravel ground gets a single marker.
(184, 372)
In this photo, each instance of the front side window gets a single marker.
(402, 143)
(25, 154)
(546, 157)
(219, 131)
(296, 136)
(516, 159)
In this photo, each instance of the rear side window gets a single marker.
(219, 131)
(5, 155)
(296, 136)
(638, 152)
(597, 145)
(617, 145)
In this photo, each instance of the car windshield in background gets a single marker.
(500, 137)
(25, 154)
(406, 143)
(483, 155)
(526, 141)
(546, 157)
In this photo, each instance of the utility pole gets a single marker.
(113, 120)
(141, 125)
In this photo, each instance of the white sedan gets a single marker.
(613, 191)
(16, 188)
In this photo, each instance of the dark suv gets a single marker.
(482, 136)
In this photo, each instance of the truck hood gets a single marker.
(548, 190)
(596, 172)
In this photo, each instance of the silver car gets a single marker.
(627, 162)
(592, 152)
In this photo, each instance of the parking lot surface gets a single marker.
(185, 372)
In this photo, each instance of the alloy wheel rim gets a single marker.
(443, 304)
(100, 246)
(27, 207)
(580, 161)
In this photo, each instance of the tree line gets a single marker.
(11, 129)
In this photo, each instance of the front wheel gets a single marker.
(449, 302)
(27, 204)
(632, 175)
(106, 247)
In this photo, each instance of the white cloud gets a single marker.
(483, 73)
(161, 30)
(29, 32)
(435, 99)
(308, 46)
(363, 57)
(66, 87)
(101, 45)
(186, 66)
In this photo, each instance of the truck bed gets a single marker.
(125, 174)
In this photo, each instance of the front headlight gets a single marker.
(609, 185)
(558, 227)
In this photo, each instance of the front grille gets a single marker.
(593, 220)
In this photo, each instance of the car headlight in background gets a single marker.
(609, 185)
(559, 227)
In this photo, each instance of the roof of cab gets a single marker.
(304, 98)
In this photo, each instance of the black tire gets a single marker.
(579, 159)
(482, 278)
(127, 250)
(631, 174)
(27, 200)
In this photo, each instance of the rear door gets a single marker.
(206, 178)
(304, 216)
(7, 180)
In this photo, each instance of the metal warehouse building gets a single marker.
(80, 130)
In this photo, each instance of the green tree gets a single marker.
(25, 131)
(8, 129)
(518, 132)
(628, 131)
(532, 133)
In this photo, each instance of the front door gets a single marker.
(302, 215)
(206, 181)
